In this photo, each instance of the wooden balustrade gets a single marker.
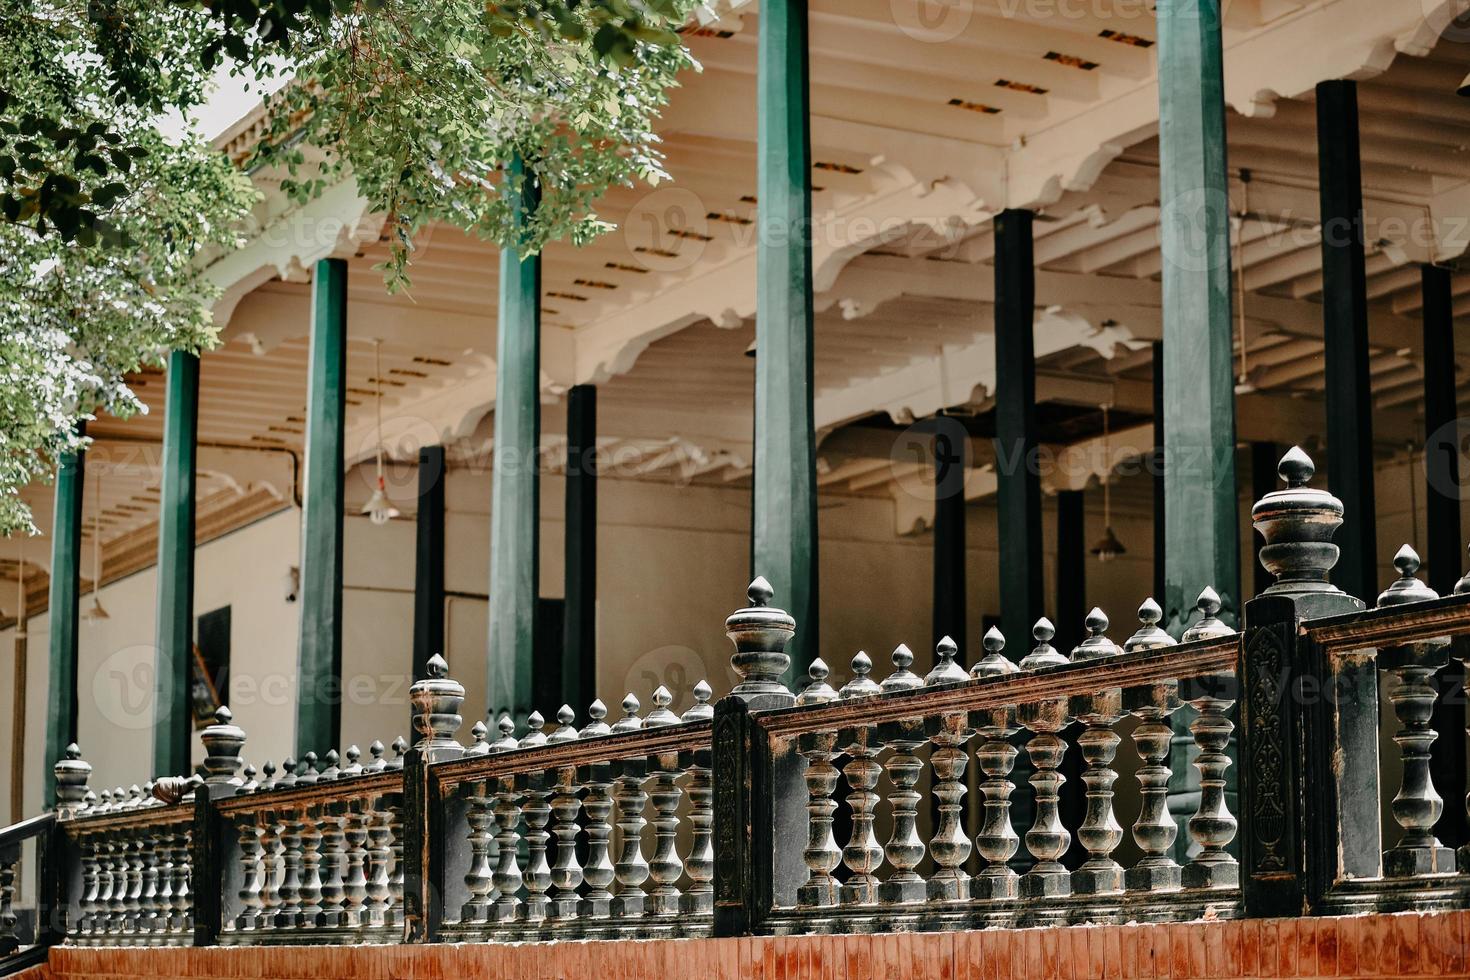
(725, 820)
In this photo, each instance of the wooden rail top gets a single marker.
(1217, 655)
(323, 791)
(1393, 625)
(142, 816)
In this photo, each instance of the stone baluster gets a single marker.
(997, 841)
(271, 865)
(1100, 832)
(289, 916)
(333, 862)
(117, 899)
(310, 893)
(950, 846)
(354, 878)
(479, 878)
(598, 872)
(87, 900)
(819, 749)
(181, 921)
(9, 941)
(905, 849)
(250, 878)
(536, 788)
(698, 898)
(153, 915)
(1047, 840)
(862, 855)
(380, 860)
(664, 867)
(566, 870)
(1212, 827)
(136, 844)
(396, 841)
(630, 868)
(507, 876)
(1417, 806)
(163, 901)
(1152, 704)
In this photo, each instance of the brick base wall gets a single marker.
(1402, 945)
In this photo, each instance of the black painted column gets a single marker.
(579, 640)
(1018, 496)
(1345, 335)
(428, 582)
(951, 443)
(1442, 538)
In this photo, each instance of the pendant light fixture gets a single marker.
(379, 508)
(1108, 546)
(95, 613)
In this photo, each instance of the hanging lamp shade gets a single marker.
(95, 613)
(1108, 546)
(379, 508)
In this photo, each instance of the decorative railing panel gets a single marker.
(825, 810)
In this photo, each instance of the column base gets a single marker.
(820, 893)
(909, 888)
(1098, 876)
(950, 886)
(1001, 882)
(1154, 874)
(1218, 873)
(1408, 862)
(1047, 879)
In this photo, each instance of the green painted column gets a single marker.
(514, 509)
(1201, 531)
(785, 443)
(66, 575)
(319, 697)
(1201, 522)
(175, 623)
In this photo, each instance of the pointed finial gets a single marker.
(479, 732)
(436, 700)
(534, 733)
(507, 740)
(760, 592)
(902, 679)
(288, 773)
(308, 771)
(353, 767)
(994, 663)
(330, 770)
(400, 746)
(661, 715)
(1095, 645)
(248, 773)
(437, 667)
(630, 722)
(267, 776)
(1296, 468)
(378, 764)
(222, 715)
(946, 671)
(701, 709)
(1407, 588)
(565, 731)
(861, 685)
(1149, 635)
(597, 711)
(1209, 625)
(817, 690)
(1043, 654)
